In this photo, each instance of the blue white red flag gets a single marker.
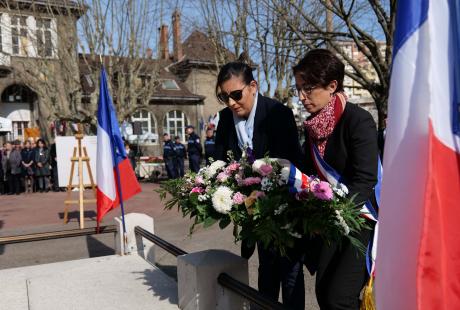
(418, 263)
(116, 181)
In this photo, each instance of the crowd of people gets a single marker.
(175, 153)
(27, 167)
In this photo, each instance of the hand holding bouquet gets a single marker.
(265, 202)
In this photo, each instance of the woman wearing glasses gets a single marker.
(264, 125)
(346, 138)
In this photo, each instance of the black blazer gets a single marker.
(275, 133)
(352, 151)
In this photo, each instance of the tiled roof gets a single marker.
(198, 47)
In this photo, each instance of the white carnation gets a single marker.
(203, 197)
(212, 169)
(222, 199)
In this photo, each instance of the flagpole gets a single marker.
(120, 194)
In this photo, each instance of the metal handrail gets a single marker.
(171, 248)
(248, 292)
(57, 234)
(223, 279)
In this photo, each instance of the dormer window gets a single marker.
(169, 85)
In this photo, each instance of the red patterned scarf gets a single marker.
(321, 124)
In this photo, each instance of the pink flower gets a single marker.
(198, 190)
(222, 177)
(199, 180)
(233, 167)
(323, 191)
(251, 181)
(238, 198)
(265, 169)
(260, 194)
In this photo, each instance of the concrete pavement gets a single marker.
(43, 212)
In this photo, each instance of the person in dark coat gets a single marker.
(194, 149)
(7, 149)
(169, 156)
(27, 155)
(14, 163)
(181, 154)
(209, 146)
(346, 138)
(131, 155)
(381, 134)
(265, 126)
(42, 168)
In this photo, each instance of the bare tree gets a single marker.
(63, 54)
(367, 24)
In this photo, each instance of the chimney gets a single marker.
(164, 53)
(148, 53)
(177, 43)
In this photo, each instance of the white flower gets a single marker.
(340, 189)
(285, 174)
(222, 199)
(203, 197)
(287, 226)
(341, 222)
(266, 184)
(295, 235)
(212, 169)
(257, 164)
(281, 208)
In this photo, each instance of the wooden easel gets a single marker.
(82, 157)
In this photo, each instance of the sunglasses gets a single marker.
(305, 90)
(236, 95)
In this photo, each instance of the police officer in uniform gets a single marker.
(209, 146)
(180, 155)
(194, 149)
(169, 156)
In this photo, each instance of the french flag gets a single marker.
(418, 260)
(116, 181)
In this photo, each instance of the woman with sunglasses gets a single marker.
(264, 126)
(345, 136)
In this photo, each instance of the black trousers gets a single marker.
(194, 162)
(341, 275)
(180, 166)
(275, 269)
(170, 168)
(14, 185)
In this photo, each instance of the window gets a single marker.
(19, 38)
(175, 123)
(18, 130)
(148, 127)
(169, 85)
(44, 42)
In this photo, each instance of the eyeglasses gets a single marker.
(235, 95)
(305, 90)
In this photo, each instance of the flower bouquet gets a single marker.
(255, 196)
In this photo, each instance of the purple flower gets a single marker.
(323, 191)
(265, 169)
(251, 157)
(198, 190)
(238, 198)
(251, 181)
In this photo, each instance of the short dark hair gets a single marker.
(42, 141)
(235, 68)
(321, 67)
